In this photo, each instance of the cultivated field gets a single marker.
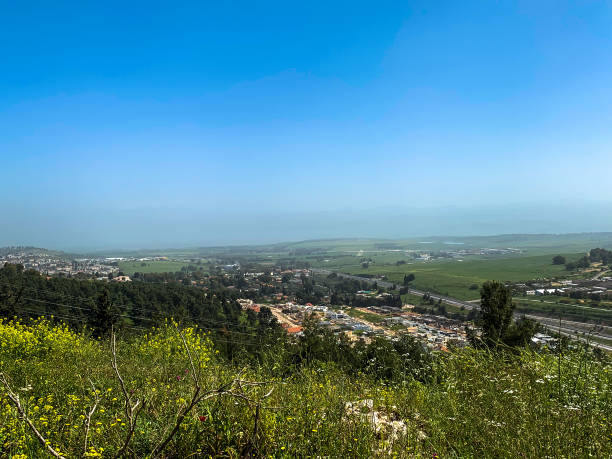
(130, 267)
(454, 278)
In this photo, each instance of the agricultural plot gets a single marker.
(454, 278)
(532, 244)
(130, 267)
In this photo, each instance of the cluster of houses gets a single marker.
(545, 291)
(586, 287)
(56, 265)
(436, 332)
(335, 319)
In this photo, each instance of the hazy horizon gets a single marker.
(205, 124)
(140, 230)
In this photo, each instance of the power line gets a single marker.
(224, 330)
(150, 319)
(82, 309)
(126, 306)
(79, 319)
(203, 322)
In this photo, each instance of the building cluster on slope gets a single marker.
(57, 265)
(435, 331)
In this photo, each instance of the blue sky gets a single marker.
(156, 123)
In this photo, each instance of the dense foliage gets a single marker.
(558, 260)
(240, 336)
(474, 404)
(597, 255)
(101, 305)
(601, 255)
(329, 396)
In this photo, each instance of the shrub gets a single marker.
(471, 403)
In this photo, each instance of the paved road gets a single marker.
(568, 328)
(435, 296)
(601, 273)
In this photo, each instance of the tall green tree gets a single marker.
(105, 315)
(8, 299)
(11, 289)
(520, 332)
(558, 260)
(496, 311)
(408, 278)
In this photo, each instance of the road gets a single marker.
(562, 304)
(568, 328)
(601, 273)
(435, 296)
(576, 330)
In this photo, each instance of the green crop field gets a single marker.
(532, 244)
(130, 267)
(454, 277)
(316, 250)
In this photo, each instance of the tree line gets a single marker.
(596, 255)
(255, 337)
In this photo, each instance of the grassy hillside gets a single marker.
(476, 404)
(532, 243)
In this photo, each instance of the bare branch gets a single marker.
(15, 399)
(253, 383)
(194, 374)
(126, 396)
(132, 410)
(199, 396)
(89, 415)
(195, 399)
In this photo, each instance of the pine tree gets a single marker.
(105, 315)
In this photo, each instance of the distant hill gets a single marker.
(535, 244)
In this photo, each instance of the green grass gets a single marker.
(479, 404)
(130, 267)
(417, 301)
(369, 316)
(409, 298)
(601, 340)
(532, 243)
(454, 278)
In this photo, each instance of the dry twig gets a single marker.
(89, 415)
(15, 400)
(132, 410)
(199, 396)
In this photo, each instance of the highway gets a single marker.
(435, 296)
(567, 328)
